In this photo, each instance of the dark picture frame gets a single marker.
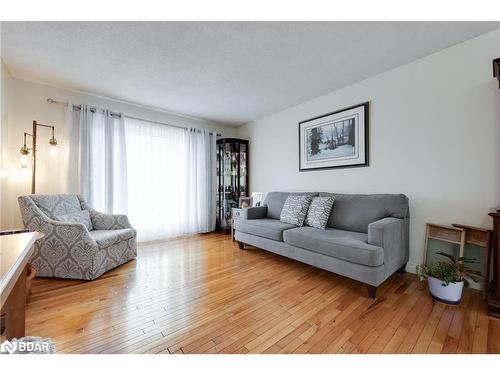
(338, 139)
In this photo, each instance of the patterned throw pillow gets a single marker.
(80, 217)
(295, 209)
(319, 212)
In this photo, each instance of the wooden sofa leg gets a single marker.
(372, 291)
(402, 270)
(241, 245)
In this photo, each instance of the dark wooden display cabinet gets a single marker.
(232, 178)
(494, 296)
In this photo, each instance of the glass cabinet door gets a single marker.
(232, 178)
(243, 180)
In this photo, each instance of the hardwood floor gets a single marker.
(203, 295)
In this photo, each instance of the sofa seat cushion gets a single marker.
(341, 244)
(106, 238)
(267, 228)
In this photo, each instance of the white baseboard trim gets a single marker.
(411, 267)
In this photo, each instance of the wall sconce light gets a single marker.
(25, 151)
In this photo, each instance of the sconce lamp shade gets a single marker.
(24, 161)
(24, 156)
(32, 151)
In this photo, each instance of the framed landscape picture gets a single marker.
(335, 140)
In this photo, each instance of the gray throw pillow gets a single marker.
(295, 209)
(319, 212)
(80, 217)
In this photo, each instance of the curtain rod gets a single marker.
(117, 114)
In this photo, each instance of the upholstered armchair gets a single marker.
(79, 242)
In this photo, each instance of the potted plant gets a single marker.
(447, 279)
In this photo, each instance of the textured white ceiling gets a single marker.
(227, 72)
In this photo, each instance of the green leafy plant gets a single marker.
(453, 270)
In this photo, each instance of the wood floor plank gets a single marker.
(201, 294)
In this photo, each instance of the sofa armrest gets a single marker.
(252, 213)
(391, 234)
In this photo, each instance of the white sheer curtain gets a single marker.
(201, 183)
(171, 179)
(98, 157)
(163, 177)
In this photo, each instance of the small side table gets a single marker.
(462, 235)
(482, 238)
(444, 233)
(235, 215)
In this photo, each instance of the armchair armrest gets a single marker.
(391, 234)
(35, 220)
(104, 221)
(252, 213)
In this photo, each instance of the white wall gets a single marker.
(27, 103)
(434, 136)
(5, 79)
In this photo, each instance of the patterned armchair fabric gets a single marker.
(70, 250)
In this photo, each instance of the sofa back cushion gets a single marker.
(57, 204)
(319, 212)
(353, 212)
(295, 209)
(275, 200)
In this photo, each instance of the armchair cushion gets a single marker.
(106, 238)
(53, 205)
(82, 217)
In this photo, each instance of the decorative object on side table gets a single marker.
(257, 198)
(448, 278)
(232, 177)
(245, 202)
(335, 140)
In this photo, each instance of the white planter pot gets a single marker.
(452, 293)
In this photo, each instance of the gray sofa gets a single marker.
(70, 250)
(366, 238)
